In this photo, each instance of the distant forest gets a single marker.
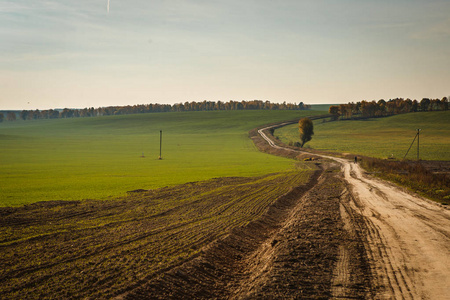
(382, 108)
(150, 108)
(362, 109)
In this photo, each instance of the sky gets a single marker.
(93, 53)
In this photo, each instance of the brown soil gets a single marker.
(117, 248)
(289, 253)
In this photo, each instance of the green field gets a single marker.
(321, 107)
(96, 158)
(382, 137)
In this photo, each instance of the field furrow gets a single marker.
(98, 249)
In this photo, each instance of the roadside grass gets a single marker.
(381, 137)
(412, 175)
(97, 158)
(101, 249)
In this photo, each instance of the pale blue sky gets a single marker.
(76, 54)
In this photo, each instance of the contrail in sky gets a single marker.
(107, 7)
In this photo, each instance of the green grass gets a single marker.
(96, 158)
(322, 107)
(381, 137)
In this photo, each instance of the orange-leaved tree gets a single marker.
(306, 130)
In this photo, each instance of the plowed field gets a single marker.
(100, 249)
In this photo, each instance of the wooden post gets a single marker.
(418, 135)
(160, 143)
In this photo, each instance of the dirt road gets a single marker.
(406, 238)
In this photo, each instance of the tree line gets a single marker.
(151, 108)
(382, 108)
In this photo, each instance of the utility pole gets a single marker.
(418, 131)
(417, 136)
(160, 144)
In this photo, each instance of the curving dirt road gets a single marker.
(406, 238)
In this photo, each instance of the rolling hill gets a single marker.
(96, 158)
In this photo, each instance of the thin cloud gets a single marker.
(437, 30)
